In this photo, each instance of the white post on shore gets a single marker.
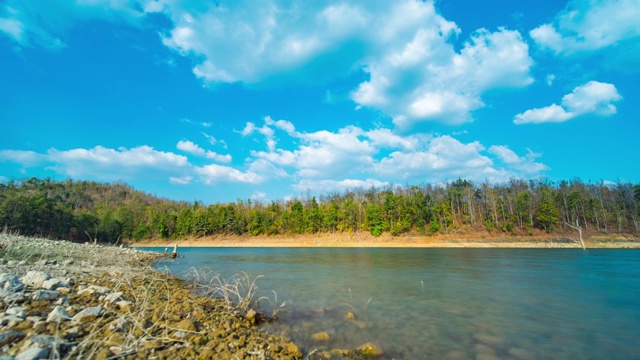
(577, 227)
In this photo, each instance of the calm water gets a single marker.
(448, 303)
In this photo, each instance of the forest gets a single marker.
(115, 212)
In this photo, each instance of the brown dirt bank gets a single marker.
(472, 240)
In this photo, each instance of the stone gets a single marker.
(52, 284)
(10, 296)
(23, 263)
(113, 297)
(35, 278)
(10, 321)
(58, 314)
(68, 262)
(95, 311)
(33, 354)
(369, 350)
(94, 290)
(320, 336)
(18, 311)
(124, 305)
(45, 295)
(251, 316)
(10, 337)
(350, 316)
(43, 341)
(341, 352)
(118, 324)
(10, 282)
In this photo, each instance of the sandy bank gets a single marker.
(482, 240)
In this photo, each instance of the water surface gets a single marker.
(447, 303)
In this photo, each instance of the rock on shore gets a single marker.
(64, 300)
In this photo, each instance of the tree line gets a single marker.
(113, 212)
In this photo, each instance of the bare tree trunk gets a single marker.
(577, 227)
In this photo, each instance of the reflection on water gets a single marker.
(448, 303)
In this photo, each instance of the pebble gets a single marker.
(320, 336)
(58, 314)
(10, 282)
(33, 354)
(52, 284)
(113, 297)
(10, 296)
(35, 278)
(10, 321)
(10, 337)
(45, 295)
(94, 311)
(18, 311)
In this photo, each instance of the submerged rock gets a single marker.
(320, 336)
(369, 350)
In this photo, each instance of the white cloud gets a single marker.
(591, 98)
(192, 148)
(258, 195)
(185, 180)
(24, 157)
(526, 164)
(214, 174)
(113, 163)
(319, 158)
(443, 158)
(428, 81)
(405, 46)
(590, 25)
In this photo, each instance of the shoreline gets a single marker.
(365, 240)
(66, 300)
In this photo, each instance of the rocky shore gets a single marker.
(61, 300)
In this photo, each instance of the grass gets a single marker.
(239, 291)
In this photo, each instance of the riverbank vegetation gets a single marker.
(115, 212)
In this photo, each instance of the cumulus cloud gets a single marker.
(185, 180)
(190, 147)
(591, 98)
(428, 81)
(319, 158)
(590, 25)
(405, 47)
(526, 164)
(214, 174)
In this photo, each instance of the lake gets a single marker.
(445, 303)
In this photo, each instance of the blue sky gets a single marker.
(226, 100)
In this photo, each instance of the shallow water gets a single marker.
(447, 303)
